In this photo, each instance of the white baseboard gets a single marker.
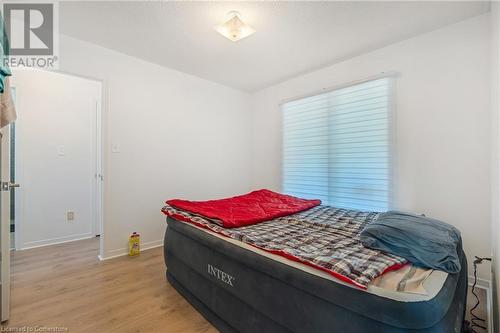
(54, 241)
(481, 283)
(489, 309)
(486, 285)
(124, 251)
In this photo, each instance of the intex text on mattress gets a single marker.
(239, 290)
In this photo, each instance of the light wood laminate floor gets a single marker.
(67, 286)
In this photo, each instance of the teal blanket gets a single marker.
(422, 241)
(4, 53)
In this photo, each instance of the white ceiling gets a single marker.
(291, 37)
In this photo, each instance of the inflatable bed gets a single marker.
(302, 268)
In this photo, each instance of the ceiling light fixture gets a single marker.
(234, 28)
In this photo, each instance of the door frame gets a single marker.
(98, 152)
(4, 226)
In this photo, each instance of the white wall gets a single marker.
(179, 136)
(495, 137)
(443, 117)
(55, 156)
(173, 130)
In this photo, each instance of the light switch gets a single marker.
(70, 216)
(115, 147)
(61, 150)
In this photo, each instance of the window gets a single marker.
(337, 146)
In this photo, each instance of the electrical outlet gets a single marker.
(70, 216)
(115, 147)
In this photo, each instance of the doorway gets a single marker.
(56, 149)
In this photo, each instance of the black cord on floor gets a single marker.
(475, 320)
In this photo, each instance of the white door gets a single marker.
(5, 188)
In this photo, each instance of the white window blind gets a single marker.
(337, 146)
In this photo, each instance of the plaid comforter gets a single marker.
(322, 237)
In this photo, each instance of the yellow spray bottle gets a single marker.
(134, 244)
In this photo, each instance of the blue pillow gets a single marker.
(421, 240)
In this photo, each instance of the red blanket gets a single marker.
(251, 208)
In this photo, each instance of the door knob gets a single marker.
(7, 186)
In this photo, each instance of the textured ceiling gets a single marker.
(291, 37)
